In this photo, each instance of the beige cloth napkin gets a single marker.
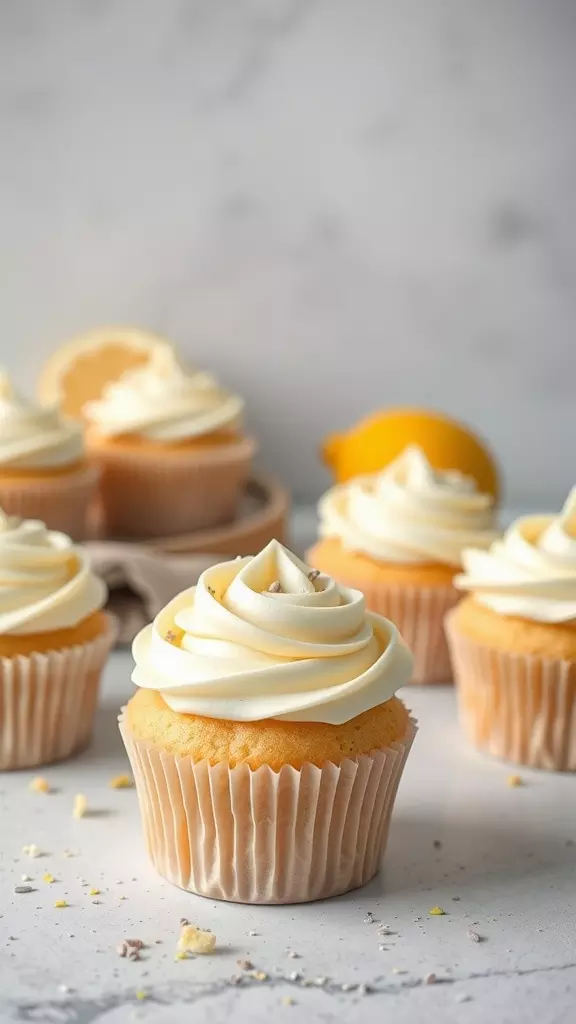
(141, 582)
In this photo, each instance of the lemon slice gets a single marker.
(79, 370)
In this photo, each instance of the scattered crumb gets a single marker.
(474, 936)
(348, 986)
(68, 853)
(515, 781)
(398, 970)
(61, 903)
(429, 979)
(294, 955)
(369, 919)
(48, 878)
(288, 1001)
(96, 902)
(80, 806)
(32, 850)
(122, 897)
(25, 878)
(364, 989)
(260, 975)
(64, 988)
(39, 785)
(194, 940)
(295, 976)
(320, 981)
(94, 892)
(121, 782)
(141, 995)
(253, 933)
(245, 965)
(436, 912)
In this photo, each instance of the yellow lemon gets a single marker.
(378, 439)
(78, 371)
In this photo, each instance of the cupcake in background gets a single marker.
(398, 536)
(170, 449)
(265, 738)
(513, 642)
(54, 640)
(44, 472)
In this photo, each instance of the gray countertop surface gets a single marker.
(499, 860)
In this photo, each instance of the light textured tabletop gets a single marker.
(500, 861)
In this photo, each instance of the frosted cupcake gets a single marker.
(54, 640)
(398, 536)
(265, 738)
(44, 472)
(170, 449)
(513, 642)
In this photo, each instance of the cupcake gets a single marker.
(398, 536)
(44, 472)
(170, 450)
(513, 643)
(54, 640)
(265, 738)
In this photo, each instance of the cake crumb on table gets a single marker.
(194, 940)
(436, 912)
(39, 785)
(121, 782)
(80, 806)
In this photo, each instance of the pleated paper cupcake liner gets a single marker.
(60, 501)
(264, 836)
(517, 707)
(144, 496)
(48, 701)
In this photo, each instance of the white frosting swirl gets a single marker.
(35, 438)
(531, 572)
(409, 513)
(235, 650)
(161, 402)
(45, 580)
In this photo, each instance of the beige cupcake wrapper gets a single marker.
(61, 501)
(264, 836)
(151, 496)
(48, 700)
(418, 613)
(517, 707)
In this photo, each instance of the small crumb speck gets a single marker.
(32, 850)
(121, 782)
(474, 935)
(288, 1001)
(80, 806)
(39, 785)
(293, 954)
(429, 979)
(515, 780)
(245, 965)
(59, 904)
(436, 912)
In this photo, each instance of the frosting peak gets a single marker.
(45, 580)
(32, 437)
(409, 513)
(162, 402)
(531, 572)
(267, 637)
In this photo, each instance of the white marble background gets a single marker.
(335, 205)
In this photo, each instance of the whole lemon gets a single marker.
(376, 440)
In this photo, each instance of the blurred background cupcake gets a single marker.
(54, 640)
(398, 536)
(44, 472)
(513, 642)
(265, 738)
(170, 449)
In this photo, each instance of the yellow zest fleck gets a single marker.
(181, 955)
(288, 1001)
(141, 995)
(94, 892)
(60, 903)
(48, 878)
(515, 781)
(80, 806)
(194, 940)
(121, 782)
(436, 912)
(260, 975)
(40, 785)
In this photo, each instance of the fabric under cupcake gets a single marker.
(54, 640)
(513, 642)
(265, 738)
(398, 536)
(170, 449)
(44, 473)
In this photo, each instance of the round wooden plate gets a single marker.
(263, 516)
